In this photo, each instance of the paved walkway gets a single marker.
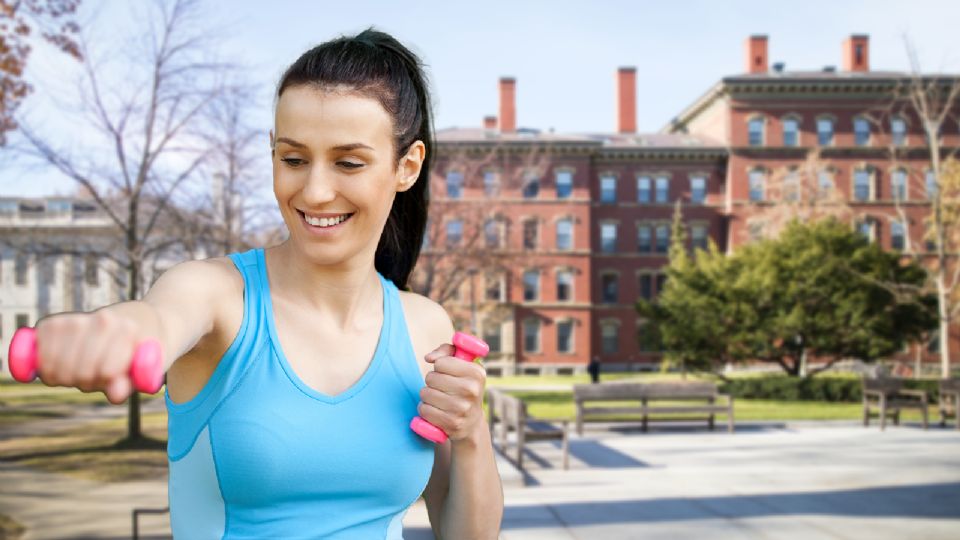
(806, 481)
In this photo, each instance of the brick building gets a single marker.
(563, 232)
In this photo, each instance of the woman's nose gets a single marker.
(320, 188)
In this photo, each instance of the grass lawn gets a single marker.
(95, 451)
(13, 394)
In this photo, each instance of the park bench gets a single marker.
(950, 401)
(883, 397)
(686, 398)
(508, 414)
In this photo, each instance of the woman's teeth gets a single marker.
(325, 222)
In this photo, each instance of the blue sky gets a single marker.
(564, 54)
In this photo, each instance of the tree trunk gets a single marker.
(134, 432)
(944, 324)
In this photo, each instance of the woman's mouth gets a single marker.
(325, 222)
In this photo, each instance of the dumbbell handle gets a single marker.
(467, 348)
(146, 367)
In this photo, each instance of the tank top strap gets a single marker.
(186, 420)
(401, 354)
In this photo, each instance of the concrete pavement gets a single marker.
(804, 481)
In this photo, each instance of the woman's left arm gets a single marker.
(464, 496)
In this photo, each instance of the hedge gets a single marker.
(824, 388)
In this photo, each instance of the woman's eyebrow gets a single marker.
(351, 146)
(291, 142)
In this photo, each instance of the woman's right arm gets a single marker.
(92, 351)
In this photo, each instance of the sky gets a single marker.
(564, 54)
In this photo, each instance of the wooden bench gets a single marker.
(508, 414)
(646, 393)
(883, 397)
(949, 401)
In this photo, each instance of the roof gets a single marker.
(456, 135)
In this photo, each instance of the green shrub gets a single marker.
(825, 388)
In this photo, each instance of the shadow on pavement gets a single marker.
(931, 501)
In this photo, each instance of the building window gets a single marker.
(646, 286)
(494, 287)
(663, 238)
(898, 185)
(862, 180)
(608, 189)
(20, 264)
(454, 185)
(610, 337)
(564, 184)
(644, 241)
(931, 184)
(491, 334)
(565, 336)
(791, 132)
(531, 286)
(531, 186)
(91, 270)
(565, 234)
(866, 228)
(491, 233)
(824, 131)
(757, 181)
(454, 232)
(663, 189)
(755, 230)
(608, 237)
(698, 236)
(564, 286)
(531, 335)
(791, 186)
(609, 288)
(898, 131)
(491, 183)
(755, 131)
(21, 321)
(530, 234)
(649, 340)
(824, 184)
(643, 189)
(897, 236)
(661, 283)
(861, 131)
(698, 189)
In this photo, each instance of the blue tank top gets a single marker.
(259, 454)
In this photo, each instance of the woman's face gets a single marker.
(335, 172)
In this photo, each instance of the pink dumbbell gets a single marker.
(468, 348)
(146, 369)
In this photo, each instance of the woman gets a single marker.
(292, 372)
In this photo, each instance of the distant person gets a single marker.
(294, 370)
(593, 368)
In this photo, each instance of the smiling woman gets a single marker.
(293, 371)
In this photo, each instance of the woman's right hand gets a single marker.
(89, 351)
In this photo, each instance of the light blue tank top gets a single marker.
(259, 454)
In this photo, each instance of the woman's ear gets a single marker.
(408, 170)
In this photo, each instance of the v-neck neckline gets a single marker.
(372, 367)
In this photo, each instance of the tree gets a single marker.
(53, 20)
(820, 290)
(147, 122)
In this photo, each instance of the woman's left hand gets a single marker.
(452, 400)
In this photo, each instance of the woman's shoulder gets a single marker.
(217, 274)
(428, 323)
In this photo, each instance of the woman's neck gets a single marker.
(348, 294)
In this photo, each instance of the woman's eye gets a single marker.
(293, 162)
(349, 164)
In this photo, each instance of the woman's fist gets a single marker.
(452, 399)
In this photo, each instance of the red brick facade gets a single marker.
(617, 192)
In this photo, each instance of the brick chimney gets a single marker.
(508, 104)
(627, 100)
(856, 53)
(489, 122)
(757, 54)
